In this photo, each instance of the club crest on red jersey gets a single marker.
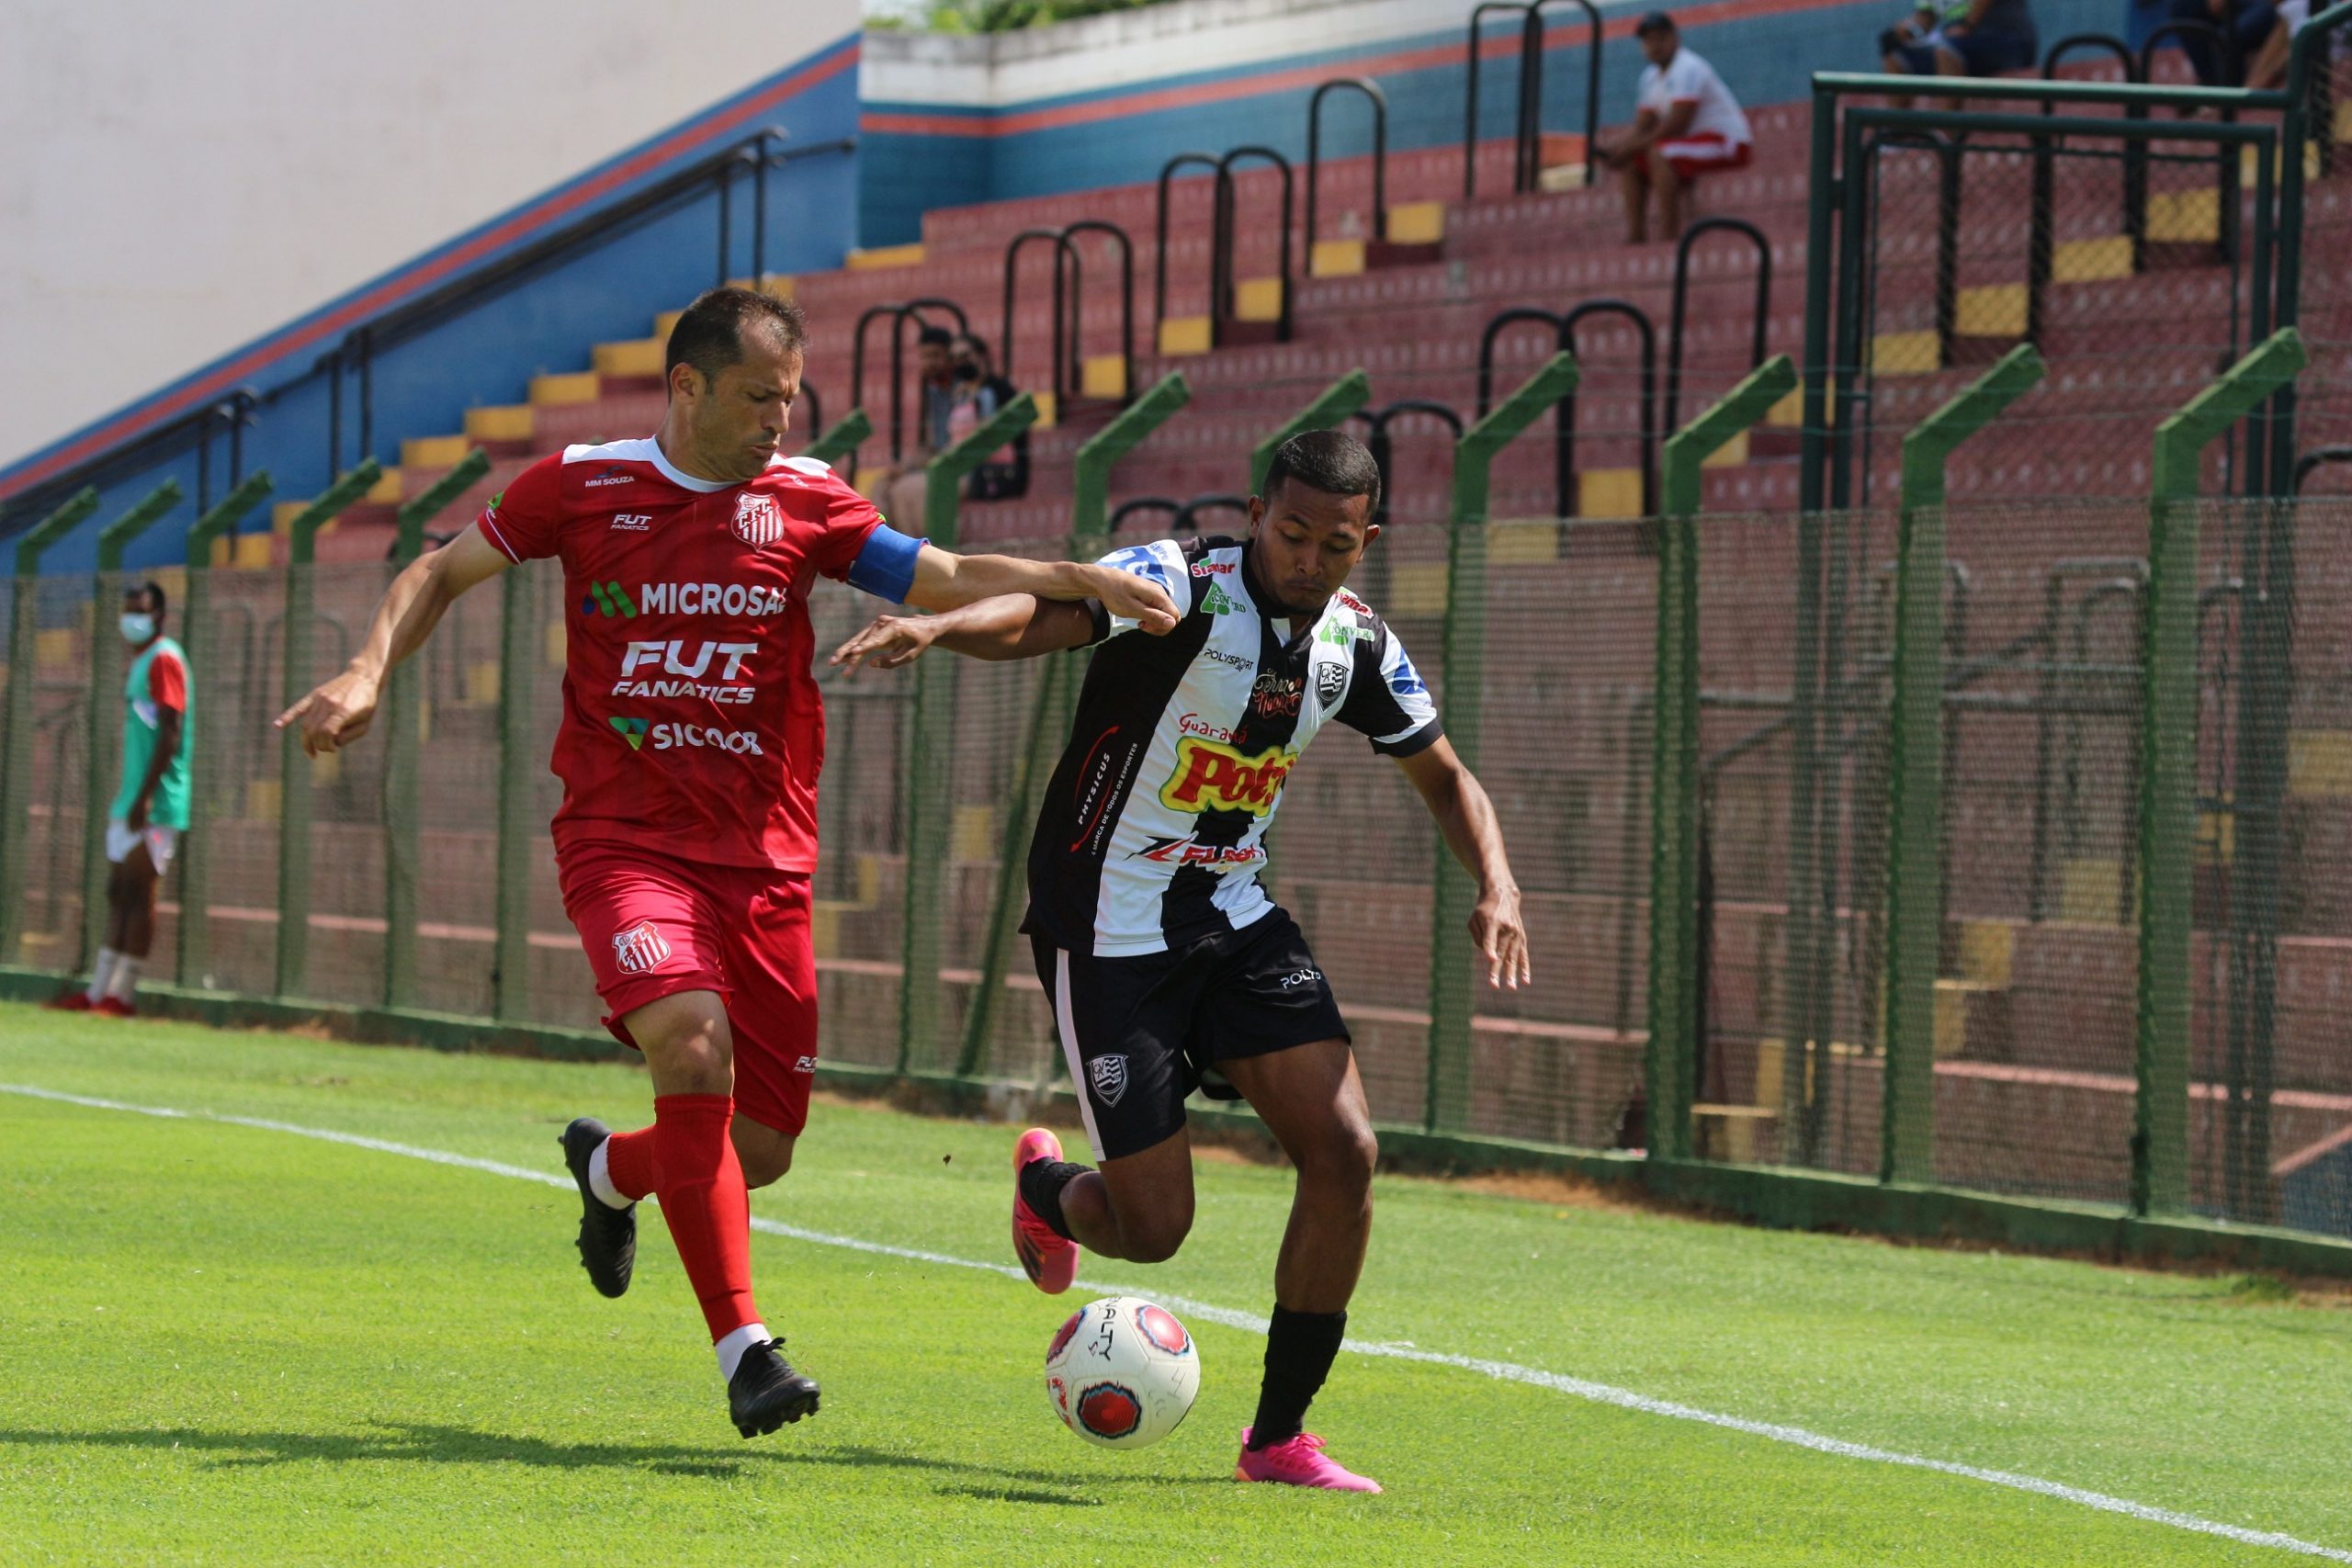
(641, 948)
(757, 522)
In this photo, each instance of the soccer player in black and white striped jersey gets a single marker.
(1168, 966)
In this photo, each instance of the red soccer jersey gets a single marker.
(691, 723)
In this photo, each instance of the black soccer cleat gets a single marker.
(766, 1391)
(607, 1236)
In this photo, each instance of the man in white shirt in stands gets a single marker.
(1688, 124)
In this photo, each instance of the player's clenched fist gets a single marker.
(333, 714)
(1133, 598)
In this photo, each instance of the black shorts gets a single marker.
(1141, 1032)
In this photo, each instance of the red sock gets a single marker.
(704, 1202)
(629, 1162)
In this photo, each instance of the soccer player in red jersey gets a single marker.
(691, 739)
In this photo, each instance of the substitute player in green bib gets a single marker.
(148, 811)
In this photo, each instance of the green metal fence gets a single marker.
(2025, 957)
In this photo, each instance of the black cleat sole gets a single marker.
(786, 1414)
(765, 1393)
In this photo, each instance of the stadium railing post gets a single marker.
(196, 853)
(294, 768)
(1915, 796)
(931, 752)
(406, 716)
(848, 434)
(1462, 666)
(1670, 1062)
(17, 736)
(2168, 762)
(1089, 538)
(106, 671)
(1336, 401)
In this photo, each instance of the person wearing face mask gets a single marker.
(150, 807)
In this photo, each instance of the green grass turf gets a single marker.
(226, 1344)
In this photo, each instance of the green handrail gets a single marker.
(1462, 675)
(2167, 765)
(405, 716)
(1671, 1061)
(1335, 403)
(1049, 712)
(848, 434)
(930, 782)
(102, 740)
(196, 851)
(17, 730)
(1915, 807)
(294, 768)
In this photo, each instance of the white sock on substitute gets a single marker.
(600, 1180)
(125, 977)
(731, 1349)
(102, 975)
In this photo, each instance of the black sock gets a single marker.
(1042, 1181)
(1300, 1346)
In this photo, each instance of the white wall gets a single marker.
(180, 178)
(1003, 69)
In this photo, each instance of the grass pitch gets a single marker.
(225, 1343)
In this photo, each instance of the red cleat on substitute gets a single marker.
(1299, 1463)
(69, 1001)
(1051, 1262)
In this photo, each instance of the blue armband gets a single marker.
(886, 566)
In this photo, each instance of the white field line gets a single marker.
(1505, 1371)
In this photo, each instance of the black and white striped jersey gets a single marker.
(1154, 828)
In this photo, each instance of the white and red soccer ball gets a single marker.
(1122, 1372)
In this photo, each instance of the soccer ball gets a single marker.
(1122, 1372)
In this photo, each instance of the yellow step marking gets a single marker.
(506, 421)
(2180, 217)
(1994, 311)
(562, 391)
(435, 451)
(1104, 375)
(1258, 300)
(1184, 334)
(1336, 259)
(1730, 455)
(481, 682)
(884, 256)
(973, 835)
(638, 356)
(1609, 493)
(1987, 951)
(2091, 261)
(1523, 541)
(1417, 222)
(1417, 588)
(2319, 764)
(2088, 891)
(1906, 354)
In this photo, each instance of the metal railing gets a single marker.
(1528, 130)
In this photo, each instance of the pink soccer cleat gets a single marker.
(1051, 1261)
(1299, 1463)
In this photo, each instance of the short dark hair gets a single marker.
(1328, 460)
(1653, 22)
(153, 591)
(710, 333)
(938, 335)
(980, 345)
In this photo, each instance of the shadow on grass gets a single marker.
(424, 1442)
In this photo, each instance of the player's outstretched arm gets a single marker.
(1463, 814)
(1012, 626)
(944, 581)
(339, 712)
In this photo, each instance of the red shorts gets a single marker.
(653, 927)
(1691, 156)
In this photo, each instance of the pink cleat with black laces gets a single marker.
(1298, 1462)
(1051, 1261)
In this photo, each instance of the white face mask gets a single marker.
(137, 629)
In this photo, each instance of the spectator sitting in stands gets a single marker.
(2270, 67)
(1686, 124)
(1990, 37)
(1005, 476)
(1924, 26)
(935, 404)
(2247, 24)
